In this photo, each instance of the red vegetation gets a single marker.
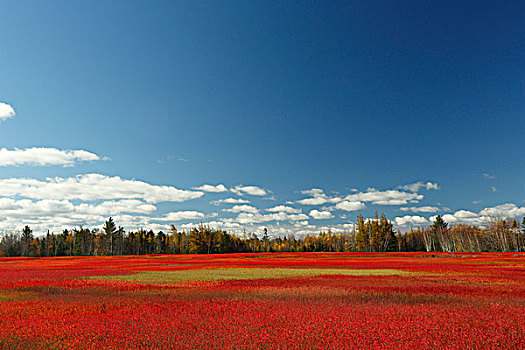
(446, 301)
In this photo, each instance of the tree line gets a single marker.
(371, 235)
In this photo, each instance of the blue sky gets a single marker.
(131, 102)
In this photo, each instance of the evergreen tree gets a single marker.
(109, 230)
(362, 238)
(27, 238)
(439, 223)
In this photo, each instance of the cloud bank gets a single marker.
(92, 187)
(41, 156)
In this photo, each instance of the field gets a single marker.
(264, 301)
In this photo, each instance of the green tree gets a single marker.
(26, 239)
(439, 223)
(109, 230)
(362, 238)
(198, 240)
(388, 239)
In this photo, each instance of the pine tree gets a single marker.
(439, 223)
(109, 229)
(27, 238)
(362, 239)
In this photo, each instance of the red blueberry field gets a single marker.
(264, 301)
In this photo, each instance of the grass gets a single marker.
(15, 296)
(223, 274)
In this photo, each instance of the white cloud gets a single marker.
(388, 197)
(91, 187)
(415, 187)
(350, 205)
(410, 221)
(222, 225)
(432, 186)
(284, 209)
(51, 207)
(135, 222)
(249, 218)
(465, 214)
(318, 197)
(181, 215)
(424, 209)
(507, 210)
(494, 189)
(321, 215)
(54, 214)
(6, 111)
(44, 156)
(314, 192)
(488, 176)
(485, 216)
(212, 188)
(313, 201)
(251, 190)
(230, 201)
(122, 206)
(242, 208)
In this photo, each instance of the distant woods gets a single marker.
(371, 235)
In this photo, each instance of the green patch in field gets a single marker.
(15, 295)
(223, 274)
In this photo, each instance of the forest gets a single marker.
(370, 235)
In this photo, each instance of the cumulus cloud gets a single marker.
(212, 188)
(482, 218)
(231, 201)
(321, 215)
(354, 201)
(424, 209)
(463, 216)
(410, 221)
(181, 215)
(507, 210)
(242, 208)
(251, 190)
(313, 201)
(314, 192)
(249, 218)
(415, 187)
(41, 156)
(51, 207)
(6, 111)
(57, 214)
(350, 205)
(318, 197)
(121, 206)
(485, 216)
(284, 209)
(388, 197)
(217, 224)
(91, 187)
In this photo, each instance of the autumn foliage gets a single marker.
(264, 301)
